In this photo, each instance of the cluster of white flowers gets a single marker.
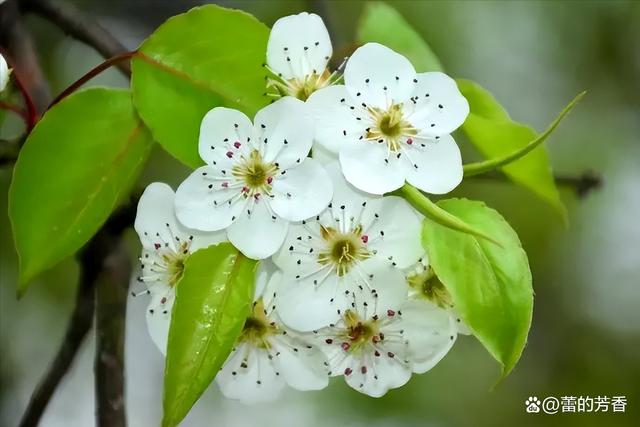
(343, 287)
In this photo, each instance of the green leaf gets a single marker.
(78, 162)
(492, 131)
(471, 169)
(431, 210)
(213, 300)
(490, 285)
(383, 24)
(207, 57)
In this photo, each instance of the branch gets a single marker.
(17, 45)
(92, 263)
(77, 329)
(111, 308)
(581, 184)
(80, 26)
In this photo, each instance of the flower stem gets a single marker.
(477, 168)
(15, 109)
(432, 211)
(91, 74)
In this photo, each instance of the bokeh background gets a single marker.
(585, 339)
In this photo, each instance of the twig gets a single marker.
(116, 60)
(16, 44)
(92, 262)
(79, 325)
(581, 184)
(111, 307)
(79, 26)
(14, 109)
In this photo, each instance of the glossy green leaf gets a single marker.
(207, 57)
(213, 299)
(492, 131)
(431, 210)
(77, 164)
(490, 285)
(383, 24)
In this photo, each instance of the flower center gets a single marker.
(358, 332)
(257, 328)
(174, 263)
(389, 126)
(430, 288)
(302, 88)
(256, 175)
(342, 250)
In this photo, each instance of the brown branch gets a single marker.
(111, 307)
(80, 26)
(79, 325)
(581, 184)
(17, 46)
(92, 263)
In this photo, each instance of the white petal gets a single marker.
(299, 45)
(4, 73)
(378, 286)
(306, 307)
(383, 374)
(462, 326)
(336, 122)
(323, 155)
(260, 234)
(439, 165)
(378, 76)
(364, 165)
(219, 130)
(440, 107)
(156, 222)
(397, 232)
(156, 214)
(431, 332)
(159, 316)
(257, 382)
(302, 192)
(349, 202)
(284, 131)
(268, 277)
(203, 208)
(303, 369)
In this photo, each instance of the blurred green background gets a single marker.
(585, 340)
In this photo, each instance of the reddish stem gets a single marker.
(31, 116)
(15, 109)
(91, 74)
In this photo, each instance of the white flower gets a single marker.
(389, 124)
(358, 245)
(298, 52)
(4, 73)
(376, 348)
(267, 355)
(257, 178)
(425, 286)
(165, 246)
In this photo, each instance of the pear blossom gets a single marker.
(358, 245)
(257, 178)
(389, 124)
(267, 355)
(4, 73)
(298, 52)
(166, 244)
(377, 347)
(424, 285)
